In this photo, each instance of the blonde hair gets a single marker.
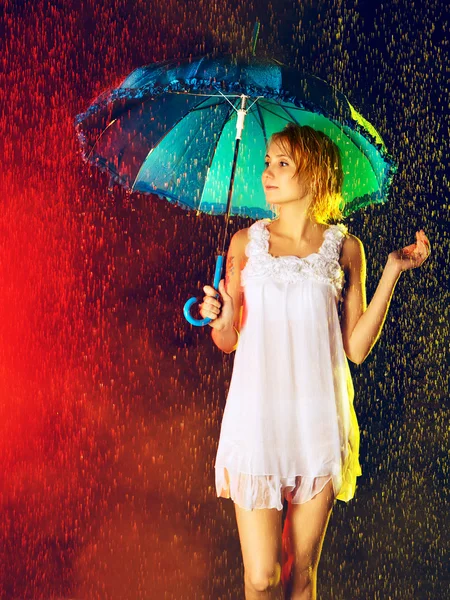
(318, 158)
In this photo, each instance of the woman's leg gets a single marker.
(260, 538)
(306, 527)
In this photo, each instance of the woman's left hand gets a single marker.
(411, 256)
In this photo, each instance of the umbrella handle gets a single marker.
(191, 301)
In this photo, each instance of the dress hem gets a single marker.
(230, 497)
(272, 495)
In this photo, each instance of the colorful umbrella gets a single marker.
(194, 131)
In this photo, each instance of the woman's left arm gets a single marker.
(361, 326)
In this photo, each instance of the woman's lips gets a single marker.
(271, 187)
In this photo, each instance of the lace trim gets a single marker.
(268, 491)
(322, 265)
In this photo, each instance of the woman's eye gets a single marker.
(266, 163)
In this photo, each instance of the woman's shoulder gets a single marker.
(350, 239)
(352, 248)
(243, 236)
(239, 241)
(238, 244)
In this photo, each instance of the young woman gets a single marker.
(289, 430)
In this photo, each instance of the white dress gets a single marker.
(289, 424)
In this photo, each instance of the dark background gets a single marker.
(111, 403)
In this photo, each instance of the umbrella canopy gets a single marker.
(170, 129)
(175, 129)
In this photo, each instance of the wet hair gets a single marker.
(318, 160)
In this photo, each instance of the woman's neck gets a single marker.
(293, 224)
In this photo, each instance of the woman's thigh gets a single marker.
(306, 526)
(260, 538)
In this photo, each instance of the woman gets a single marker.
(289, 430)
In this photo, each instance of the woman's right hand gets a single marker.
(220, 310)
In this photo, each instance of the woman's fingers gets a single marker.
(207, 310)
(420, 248)
(210, 304)
(409, 249)
(213, 309)
(423, 241)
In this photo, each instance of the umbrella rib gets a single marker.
(208, 95)
(206, 107)
(254, 102)
(289, 114)
(228, 100)
(262, 124)
(99, 136)
(225, 121)
(274, 113)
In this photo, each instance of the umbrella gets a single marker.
(194, 131)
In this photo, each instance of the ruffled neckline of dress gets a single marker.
(326, 248)
(323, 265)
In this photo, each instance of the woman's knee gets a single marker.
(260, 537)
(261, 579)
(304, 576)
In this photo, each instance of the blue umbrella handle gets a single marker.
(191, 301)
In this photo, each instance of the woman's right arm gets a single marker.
(227, 339)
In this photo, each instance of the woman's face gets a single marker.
(278, 179)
